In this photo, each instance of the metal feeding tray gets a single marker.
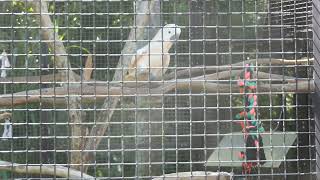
(276, 146)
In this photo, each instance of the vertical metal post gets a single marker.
(316, 53)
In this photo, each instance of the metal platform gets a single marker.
(276, 146)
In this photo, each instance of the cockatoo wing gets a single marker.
(145, 64)
(136, 59)
(137, 62)
(164, 64)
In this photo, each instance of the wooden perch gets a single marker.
(273, 61)
(224, 72)
(206, 69)
(58, 171)
(46, 79)
(196, 175)
(90, 94)
(228, 75)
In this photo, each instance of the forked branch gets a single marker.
(61, 61)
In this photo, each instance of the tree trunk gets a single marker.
(145, 119)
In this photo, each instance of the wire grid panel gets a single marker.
(152, 89)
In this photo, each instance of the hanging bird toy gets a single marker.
(251, 126)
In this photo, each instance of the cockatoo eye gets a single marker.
(169, 32)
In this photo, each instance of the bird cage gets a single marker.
(159, 89)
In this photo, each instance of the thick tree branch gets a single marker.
(207, 69)
(46, 79)
(111, 102)
(61, 61)
(58, 171)
(234, 74)
(196, 175)
(98, 91)
(90, 94)
(194, 71)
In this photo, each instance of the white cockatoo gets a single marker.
(4, 64)
(152, 60)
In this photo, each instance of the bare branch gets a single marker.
(228, 75)
(206, 69)
(48, 34)
(87, 72)
(274, 61)
(59, 171)
(196, 175)
(61, 61)
(90, 94)
(194, 71)
(46, 79)
(97, 91)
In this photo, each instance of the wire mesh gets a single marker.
(108, 90)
